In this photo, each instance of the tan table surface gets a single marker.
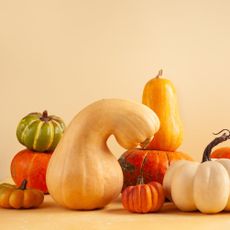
(51, 216)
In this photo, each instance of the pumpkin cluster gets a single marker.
(151, 161)
(40, 134)
(154, 158)
(200, 186)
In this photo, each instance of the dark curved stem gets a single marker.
(216, 141)
(23, 185)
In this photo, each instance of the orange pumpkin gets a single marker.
(152, 163)
(31, 166)
(21, 197)
(160, 95)
(143, 198)
(223, 152)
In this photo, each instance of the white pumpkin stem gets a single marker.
(216, 141)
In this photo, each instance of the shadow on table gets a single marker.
(168, 208)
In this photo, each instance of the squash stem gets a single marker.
(216, 141)
(45, 116)
(23, 185)
(140, 178)
(160, 73)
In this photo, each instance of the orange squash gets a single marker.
(152, 163)
(160, 95)
(223, 152)
(31, 166)
(143, 198)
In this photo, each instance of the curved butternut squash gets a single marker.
(160, 95)
(82, 172)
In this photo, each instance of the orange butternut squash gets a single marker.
(160, 95)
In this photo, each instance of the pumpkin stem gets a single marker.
(23, 185)
(160, 73)
(45, 116)
(140, 178)
(216, 141)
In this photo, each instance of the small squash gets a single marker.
(40, 132)
(153, 164)
(204, 186)
(82, 172)
(31, 166)
(21, 197)
(143, 198)
(160, 95)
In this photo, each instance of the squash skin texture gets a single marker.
(160, 95)
(82, 173)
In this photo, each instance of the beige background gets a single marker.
(63, 55)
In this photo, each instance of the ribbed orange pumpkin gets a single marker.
(152, 163)
(223, 152)
(160, 95)
(143, 198)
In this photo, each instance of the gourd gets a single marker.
(82, 172)
(31, 166)
(204, 186)
(222, 152)
(160, 95)
(40, 132)
(153, 164)
(143, 198)
(21, 197)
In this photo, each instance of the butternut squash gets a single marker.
(160, 95)
(82, 172)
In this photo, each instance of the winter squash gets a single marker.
(153, 163)
(40, 132)
(204, 186)
(82, 172)
(143, 198)
(160, 95)
(31, 166)
(21, 197)
(223, 152)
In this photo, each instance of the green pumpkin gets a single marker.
(40, 132)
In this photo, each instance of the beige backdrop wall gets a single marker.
(63, 55)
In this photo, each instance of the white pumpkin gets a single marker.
(205, 186)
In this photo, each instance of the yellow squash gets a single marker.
(82, 172)
(160, 95)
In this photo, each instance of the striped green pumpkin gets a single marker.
(40, 132)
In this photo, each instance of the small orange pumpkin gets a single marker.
(21, 197)
(143, 198)
(223, 152)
